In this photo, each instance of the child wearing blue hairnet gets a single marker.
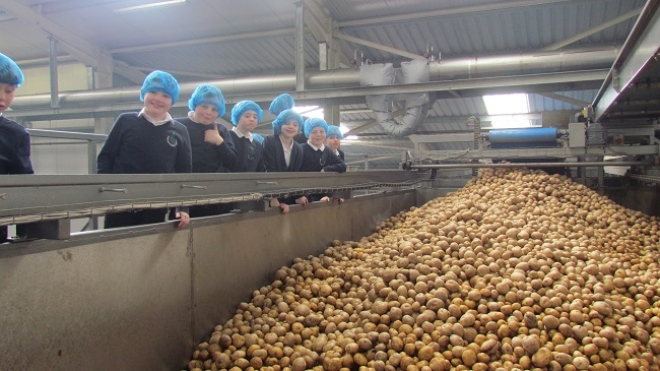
(148, 142)
(316, 155)
(245, 116)
(212, 146)
(281, 152)
(333, 140)
(14, 139)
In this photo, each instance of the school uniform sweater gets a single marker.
(14, 148)
(274, 160)
(250, 155)
(136, 146)
(207, 157)
(317, 160)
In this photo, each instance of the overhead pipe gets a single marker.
(446, 69)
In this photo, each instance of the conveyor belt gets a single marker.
(48, 198)
(645, 178)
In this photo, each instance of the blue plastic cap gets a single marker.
(258, 137)
(163, 82)
(208, 94)
(314, 122)
(281, 103)
(284, 117)
(243, 106)
(333, 130)
(10, 73)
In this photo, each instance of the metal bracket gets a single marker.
(50, 230)
(192, 186)
(252, 205)
(106, 189)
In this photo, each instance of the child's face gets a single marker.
(206, 114)
(248, 121)
(6, 96)
(290, 129)
(157, 104)
(333, 142)
(317, 136)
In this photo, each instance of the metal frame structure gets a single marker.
(48, 199)
(635, 66)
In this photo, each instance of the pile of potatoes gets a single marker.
(519, 270)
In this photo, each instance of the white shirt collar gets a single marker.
(191, 116)
(241, 135)
(322, 148)
(167, 119)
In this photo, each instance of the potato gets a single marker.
(517, 270)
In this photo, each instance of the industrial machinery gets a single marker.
(140, 297)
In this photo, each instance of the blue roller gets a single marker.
(533, 137)
(523, 135)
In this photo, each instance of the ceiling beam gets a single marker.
(207, 40)
(374, 45)
(565, 99)
(131, 73)
(318, 20)
(594, 30)
(75, 45)
(445, 12)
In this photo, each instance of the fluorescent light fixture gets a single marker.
(309, 111)
(150, 6)
(508, 104)
(343, 129)
(352, 137)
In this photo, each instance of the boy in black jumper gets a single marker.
(317, 156)
(333, 141)
(148, 142)
(245, 116)
(14, 139)
(212, 146)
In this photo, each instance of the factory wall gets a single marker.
(57, 156)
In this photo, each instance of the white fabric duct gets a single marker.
(417, 105)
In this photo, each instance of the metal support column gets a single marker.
(54, 88)
(300, 46)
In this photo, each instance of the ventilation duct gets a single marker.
(446, 69)
(417, 105)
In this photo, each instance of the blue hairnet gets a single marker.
(258, 137)
(334, 130)
(314, 122)
(207, 94)
(160, 81)
(282, 102)
(284, 117)
(243, 106)
(10, 73)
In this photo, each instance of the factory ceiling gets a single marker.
(255, 40)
